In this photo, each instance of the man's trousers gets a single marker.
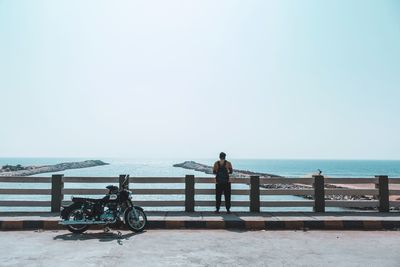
(226, 189)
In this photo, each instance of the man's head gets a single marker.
(222, 155)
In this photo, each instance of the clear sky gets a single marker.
(188, 79)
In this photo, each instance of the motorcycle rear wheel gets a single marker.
(73, 215)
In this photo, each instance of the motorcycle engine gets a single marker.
(110, 212)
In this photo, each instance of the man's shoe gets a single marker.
(217, 211)
(228, 211)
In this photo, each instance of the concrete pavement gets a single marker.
(200, 248)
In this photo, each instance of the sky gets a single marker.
(280, 79)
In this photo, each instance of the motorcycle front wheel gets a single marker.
(135, 219)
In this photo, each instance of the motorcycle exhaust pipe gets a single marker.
(85, 222)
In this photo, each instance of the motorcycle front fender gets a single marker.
(139, 208)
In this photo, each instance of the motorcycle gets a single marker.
(114, 208)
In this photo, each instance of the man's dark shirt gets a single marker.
(228, 166)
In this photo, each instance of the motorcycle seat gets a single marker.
(83, 199)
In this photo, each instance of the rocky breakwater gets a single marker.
(192, 165)
(18, 170)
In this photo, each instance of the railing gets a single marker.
(316, 187)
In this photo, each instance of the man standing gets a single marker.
(222, 169)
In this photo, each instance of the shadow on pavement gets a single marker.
(101, 236)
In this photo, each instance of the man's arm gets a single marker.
(230, 169)
(215, 168)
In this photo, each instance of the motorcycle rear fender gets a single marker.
(65, 210)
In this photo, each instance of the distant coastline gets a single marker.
(19, 170)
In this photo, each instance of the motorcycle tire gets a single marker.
(129, 222)
(76, 229)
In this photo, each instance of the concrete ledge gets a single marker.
(244, 221)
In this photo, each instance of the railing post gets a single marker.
(57, 196)
(319, 193)
(189, 193)
(254, 193)
(122, 179)
(383, 186)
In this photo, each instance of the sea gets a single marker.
(164, 168)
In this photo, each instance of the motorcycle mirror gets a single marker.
(126, 182)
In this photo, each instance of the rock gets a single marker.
(192, 165)
(31, 170)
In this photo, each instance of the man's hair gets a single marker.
(222, 155)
